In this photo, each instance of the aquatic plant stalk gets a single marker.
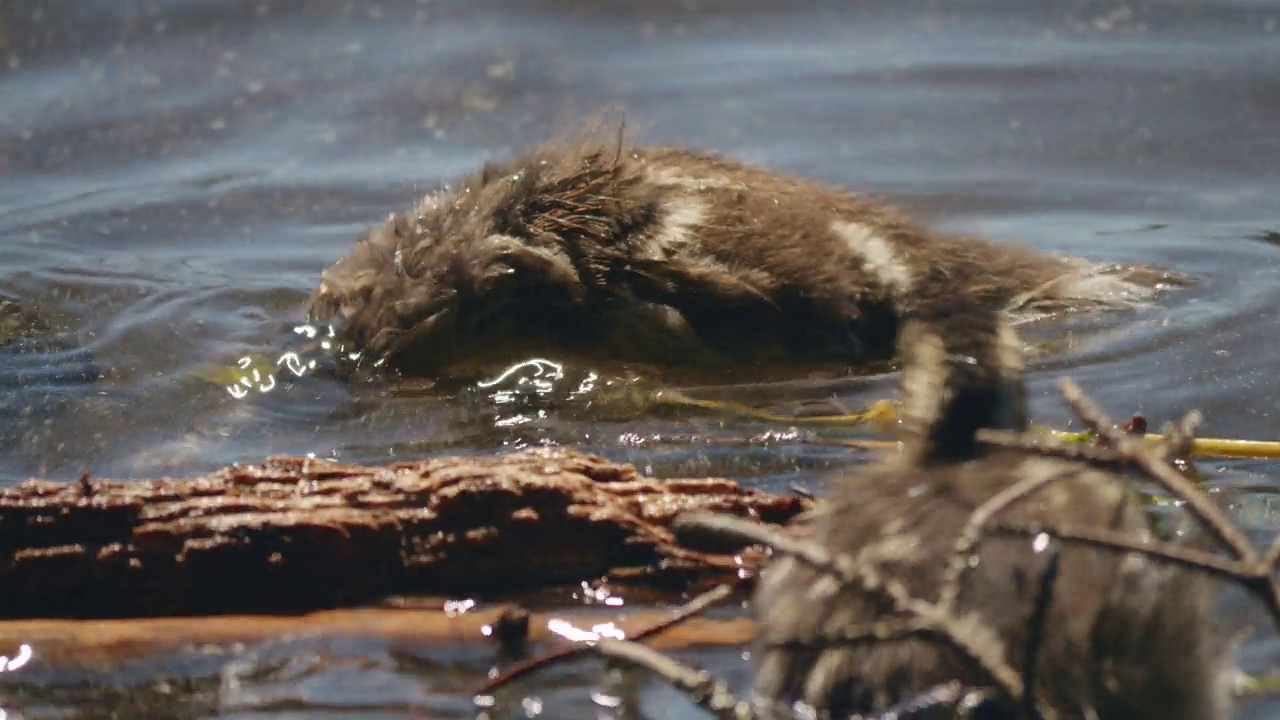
(881, 416)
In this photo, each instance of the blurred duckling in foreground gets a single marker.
(1122, 636)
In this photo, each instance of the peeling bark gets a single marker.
(295, 534)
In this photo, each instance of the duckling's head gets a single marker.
(448, 283)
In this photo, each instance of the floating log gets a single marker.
(297, 534)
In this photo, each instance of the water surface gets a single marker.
(175, 175)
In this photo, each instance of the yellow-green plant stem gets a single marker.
(881, 415)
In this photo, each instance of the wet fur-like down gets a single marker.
(669, 257)
(1124, 637)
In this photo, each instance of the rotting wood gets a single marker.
(296, 534)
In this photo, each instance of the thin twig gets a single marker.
(979, 645)
(883, 631)
(1049, 446)
(1255, 576)
(1256, 573)
(705, 692)
(1181, 440)
(1272, 556)
(1036, 633)
(1104, 539)
(703, 689)
(622, 135)
(1155, 466)
(694, 607)
(970, 538)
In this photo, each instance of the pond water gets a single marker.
(175, 175)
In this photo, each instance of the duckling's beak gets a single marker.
(323, 305)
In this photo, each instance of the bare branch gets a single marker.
(1119, 542)
(970, 537)
(1272, 556)
(1049, 446)
(976, 643)
(1036, 633)
(696, 606)
(703, 690)
(1160, 471)
(883, 631)
(1255, 573)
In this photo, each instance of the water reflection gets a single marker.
(527, 391)
(536, 375)
(255, 374)
(573, 633)
(174, 176)
(23, 656)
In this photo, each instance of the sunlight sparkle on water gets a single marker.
(588, 383)
(600, 595)
(573, 633)
(10, 664)
(538, 374)
(255, 374)
(516, 382)
(453, 608)
(604, 699)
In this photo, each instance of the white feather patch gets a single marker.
(676, 231)
(877, 253)
(924, 382)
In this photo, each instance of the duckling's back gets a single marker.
(671, 257)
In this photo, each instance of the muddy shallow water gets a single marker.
(175, 175)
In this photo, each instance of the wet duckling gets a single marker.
(1123, 637)
(669, 257)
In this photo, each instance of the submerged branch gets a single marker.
(704, 690)
(691, 609)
